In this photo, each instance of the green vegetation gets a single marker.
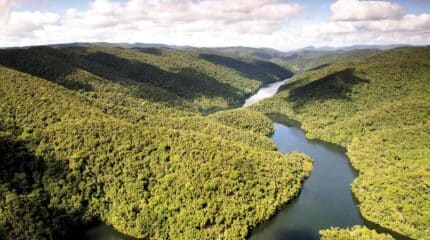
(355, 233)
(245, 119)
(312, 60)
(217, 83)
(93, 134)
(378, 108)
(298, 61)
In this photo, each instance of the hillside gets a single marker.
(303, 59)
(355, 233)
(96, 134)
(205, 81)
(378, 108)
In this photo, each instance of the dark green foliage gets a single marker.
(245, 119)
(252, 69)
(314, 60)
(337, 85)
(378, 108)
(181, 73)
(355, 233)
(299, 61)
(26, 210)
(130, 150)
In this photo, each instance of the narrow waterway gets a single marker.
(325, 200)
(264, 92)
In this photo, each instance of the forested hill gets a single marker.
(206, 80)
(90, 134)
(379, 108)
(301, 60)
(305, 60)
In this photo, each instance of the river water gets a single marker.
(325, 199)
(264, 92)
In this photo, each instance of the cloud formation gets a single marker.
(370, 22)
(142, 20)
(356, 10)
(259, 23)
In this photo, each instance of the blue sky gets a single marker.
(281, 24)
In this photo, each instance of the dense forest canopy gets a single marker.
(143, 139)
(91, 134)
(355, 233)
(379, 108)
(300, 60)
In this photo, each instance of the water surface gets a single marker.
(264, 92)
(325, 199)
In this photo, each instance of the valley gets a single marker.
(152, 143)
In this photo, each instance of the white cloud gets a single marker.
(152, 20)
(358, 10)
(5, 7)
(259, 23)
(410, 28)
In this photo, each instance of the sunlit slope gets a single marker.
(379, 108)
(97, 143)
(205, 83)
(310, 60)
(355, 233)
(300, 60)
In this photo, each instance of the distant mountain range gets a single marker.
(233, 49)
(353, 47)
(296, 60)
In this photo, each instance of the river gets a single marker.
(325, 199)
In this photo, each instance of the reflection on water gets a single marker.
(263, 93)
(104, 232)
(325, 199)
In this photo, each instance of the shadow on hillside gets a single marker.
(59, 66)
(282, 118)
(187, 83)
(19, 169)
(43, 62)
(23, 178)
(266, 72)
(300, 234)
(153, 51)
(318, 67)
(337, 85)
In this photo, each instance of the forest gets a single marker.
(95, 134)
(355, 233)
(147, 140)
(377, 107)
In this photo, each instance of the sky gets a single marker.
(280, 24)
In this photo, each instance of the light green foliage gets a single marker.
(378, 108)
(355, 233)
(299, 61)
(245, 119)
(94, 134)
(313, 60)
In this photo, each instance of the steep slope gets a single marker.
(355, 233)
(205, 84)
(300, 60)
(311, 60)
(91, 134)
(378, 108)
